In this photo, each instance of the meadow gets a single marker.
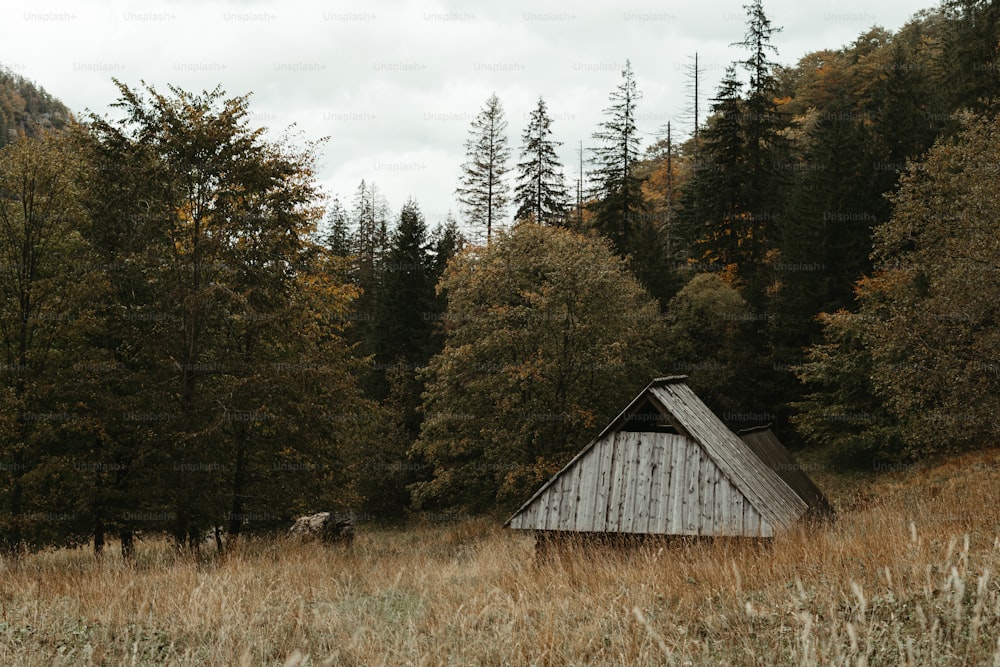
(907, 575)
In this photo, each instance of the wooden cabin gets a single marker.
(667, 465)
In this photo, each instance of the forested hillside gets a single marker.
(25, 107)
(193, 336)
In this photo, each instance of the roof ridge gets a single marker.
(667, 379)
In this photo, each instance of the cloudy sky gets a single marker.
(394, 85)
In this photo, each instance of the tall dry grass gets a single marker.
(907, 575)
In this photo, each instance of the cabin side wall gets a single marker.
(644, 483)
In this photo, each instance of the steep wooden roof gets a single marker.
(682, 410)
(768, 448)
(774, 499)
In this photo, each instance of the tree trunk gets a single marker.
(128, 545)
(180, 531)
(98, 536)
(236, 515)
(15, 541)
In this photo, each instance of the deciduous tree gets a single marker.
(48, 287)
(228, 345)
(705, 337)
(931, 309)
(548, 334)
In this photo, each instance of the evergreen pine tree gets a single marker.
(619, 207)
(447, 242)
(338, 236)
(370, 217)
(406, 294)
(368, 248)
(483, 188)
(824, 237)
(541, 191)
(403, 342)
(763, 150)
(713, 201)
(825, 231)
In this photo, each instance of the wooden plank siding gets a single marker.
(657, 453)
(658, 483)
(675, 525)
(638, 497)
(706, 498)
(660, 520)
(689, 495)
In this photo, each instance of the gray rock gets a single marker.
(329, 527)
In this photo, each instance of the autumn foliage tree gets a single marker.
(48, 287)
(239, 313)
(705, 338)
(931, 307)
(547, 335)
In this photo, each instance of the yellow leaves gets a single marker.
(548, 329)
(655, 186)
(730, 275)
(921, 318)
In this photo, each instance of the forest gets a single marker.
(194, 335)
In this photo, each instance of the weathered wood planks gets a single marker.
(643, 483)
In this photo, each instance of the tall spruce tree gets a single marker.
(447, 242)
(713, 202)
(763, 149)
(370, 216)
(369, 240)
(402, 340)
(541, 190)
(823, 239)
(338, 232)
(824, 233)
(618, 190)
(483, 187)
(404, 298)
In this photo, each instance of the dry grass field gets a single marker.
(909, 574)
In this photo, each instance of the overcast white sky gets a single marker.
(395, 84)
